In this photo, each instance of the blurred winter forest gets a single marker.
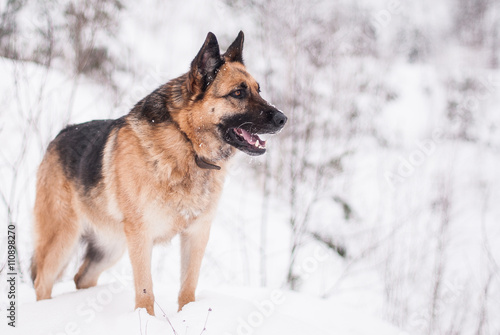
(382, 191)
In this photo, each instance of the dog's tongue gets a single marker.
(252, 139)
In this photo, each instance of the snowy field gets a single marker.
(376, 210)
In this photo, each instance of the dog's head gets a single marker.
(227, 97)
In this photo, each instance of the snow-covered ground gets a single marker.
(107, 309)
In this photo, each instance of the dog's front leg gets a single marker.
(140, 247)
(193, 243)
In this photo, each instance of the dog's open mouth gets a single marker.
(242, 131)
(252, 139)
(246, 141)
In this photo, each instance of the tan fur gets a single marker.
(56, 224)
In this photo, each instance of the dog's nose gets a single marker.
(279, 119)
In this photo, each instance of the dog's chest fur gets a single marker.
(155, 187)
(176, 207)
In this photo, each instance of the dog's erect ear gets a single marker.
(205, 65)
(235, 51)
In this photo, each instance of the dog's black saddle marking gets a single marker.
(81, 148)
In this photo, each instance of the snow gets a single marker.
(402, 160)
(107, 309)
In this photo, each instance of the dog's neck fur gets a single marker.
(172, 103)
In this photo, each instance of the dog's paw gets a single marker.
(146, 301)
(185, 299)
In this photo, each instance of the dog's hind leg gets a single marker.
(57, 229)
(101, 254)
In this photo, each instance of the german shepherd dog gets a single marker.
(156, 172)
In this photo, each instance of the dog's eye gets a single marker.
(238, 94)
